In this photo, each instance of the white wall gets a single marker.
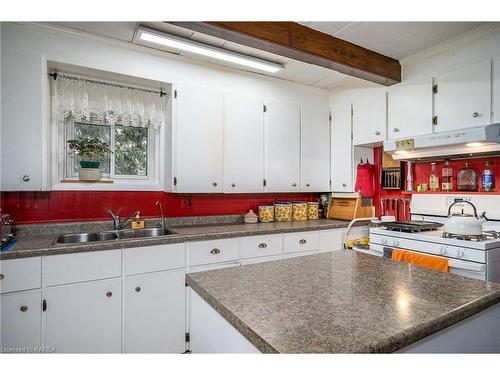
(26, 48)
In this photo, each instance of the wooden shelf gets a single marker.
(101, 181)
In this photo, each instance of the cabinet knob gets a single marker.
(109, 294)
(214, 183)
(233, 184)
(137, 288)
(377, 132)
(2, 276)
(23, 308)
(344, 185)
(26, 178)
(307, 185)
(395, 130)
(215, 251)
(263, 245)
(294, 184)
(475, 115)
(302, 241)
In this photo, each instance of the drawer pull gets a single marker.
(137, 289)
(23, 308)
(109, 294)
(215, 251)
(302, 241)
(2, 276)
(263, 245)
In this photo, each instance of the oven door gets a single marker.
(460, 267)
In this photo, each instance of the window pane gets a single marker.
(131, 151)
(101, 132)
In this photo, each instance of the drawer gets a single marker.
(331, 239)
(216, 251)
(20, 274)
(260, 246)
(74, 268)
(154, 258)
(301, 241)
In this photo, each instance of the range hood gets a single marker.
(477, 141)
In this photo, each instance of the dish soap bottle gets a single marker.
(466, 179)
(433, 179)
(447, 173)
(137, 223)
(487, 177)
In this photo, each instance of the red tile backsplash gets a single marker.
(39, 207)
(422, 171)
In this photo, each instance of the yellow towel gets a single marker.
(427, 261)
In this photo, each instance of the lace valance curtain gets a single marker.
(81, 99)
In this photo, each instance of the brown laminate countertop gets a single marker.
(340, 302)
(44, 244)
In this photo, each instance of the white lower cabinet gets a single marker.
(84, 318)
(331, 239)
(20, 318)
(154, 312)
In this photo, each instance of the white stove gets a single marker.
(476, 257)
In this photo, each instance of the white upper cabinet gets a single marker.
(198, 128)
(409, 109)
(463, 97)
(282, 146)
(341, 146)
(243, 144)
(315, 146)
(369, 121)
(496, 90)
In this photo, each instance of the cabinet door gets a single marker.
(315, 146)
(243, 144)
(20, 320)
(496, 90)
(369, 119)
(409, 109)
(154, 313)
(341, 147)
(84, 318)
(282, 138)
(199, 134)
(463, 99)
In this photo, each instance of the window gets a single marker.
(127, 118)
(132, 147)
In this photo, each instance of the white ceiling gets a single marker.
(394, 39)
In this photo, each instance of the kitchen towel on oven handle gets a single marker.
(365, 179)
(423, 260)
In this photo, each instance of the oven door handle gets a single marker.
(470, 266)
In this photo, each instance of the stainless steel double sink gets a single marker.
(114, 235)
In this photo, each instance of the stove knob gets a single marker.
(442, 250)
(395, 243)
(460, 253)
(384, 241)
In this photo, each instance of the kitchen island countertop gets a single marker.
(340, 302)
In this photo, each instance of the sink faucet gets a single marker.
(162, 222)
(119, 224)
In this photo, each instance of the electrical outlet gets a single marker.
(187, 203)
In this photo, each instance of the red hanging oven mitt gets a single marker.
(365, 180)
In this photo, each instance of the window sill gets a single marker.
(114, 185)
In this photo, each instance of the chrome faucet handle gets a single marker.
(162, 222)
(116, 220)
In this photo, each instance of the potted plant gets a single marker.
(91, 152)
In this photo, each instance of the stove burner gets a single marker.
(412, 226)
(487, 235)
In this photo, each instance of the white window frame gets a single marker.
(152, 182)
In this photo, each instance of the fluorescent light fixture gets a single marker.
(188, 45)
(401, 152)
(474, 144)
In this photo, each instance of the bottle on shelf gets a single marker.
(447, 177)
(467, 179)
(487, 179)
(433, 179)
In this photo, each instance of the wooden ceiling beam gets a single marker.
(298, 42)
